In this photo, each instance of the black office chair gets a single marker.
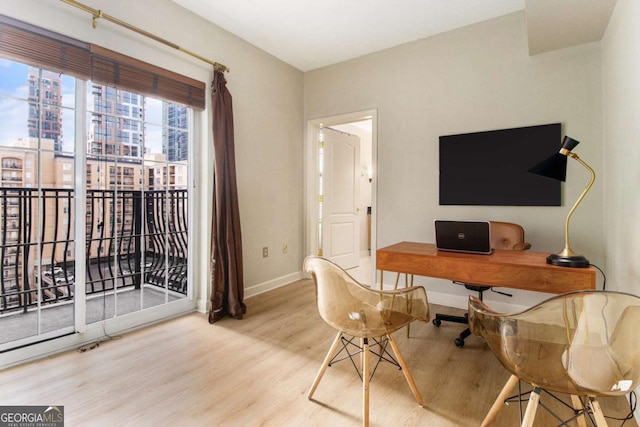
(504, 235)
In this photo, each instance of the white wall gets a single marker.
(473, 79)
(267, 97)
(621, 105)
(621, 108)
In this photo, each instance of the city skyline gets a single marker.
(160, 132)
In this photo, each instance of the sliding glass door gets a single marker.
(94, 203)
(37, 157)
(136, 202)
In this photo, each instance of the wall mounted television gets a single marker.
(490, 168)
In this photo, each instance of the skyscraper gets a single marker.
(116, 124)
(175, 120)
(45, 100)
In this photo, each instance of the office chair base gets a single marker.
(459, 342)
(437, 321)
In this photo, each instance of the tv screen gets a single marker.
(490, 168)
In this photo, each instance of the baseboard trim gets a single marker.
(202, 305)
(440, 298)
(261, 288)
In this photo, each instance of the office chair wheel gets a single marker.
(437, 322)
(459, 342)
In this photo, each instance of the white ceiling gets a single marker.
(312, 34)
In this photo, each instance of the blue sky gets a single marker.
(13, 76)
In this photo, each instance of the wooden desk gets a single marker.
(505, 268)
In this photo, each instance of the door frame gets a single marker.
(310, 235)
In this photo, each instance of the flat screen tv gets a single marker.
(490, 168)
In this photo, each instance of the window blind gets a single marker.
(35, 46)
(115, 69)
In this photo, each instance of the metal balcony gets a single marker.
(39, 265)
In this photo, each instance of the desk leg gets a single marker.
(408, 281)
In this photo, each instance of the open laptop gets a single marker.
(463, 236)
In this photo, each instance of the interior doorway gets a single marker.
(341, 191)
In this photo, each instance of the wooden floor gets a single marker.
(256, 372)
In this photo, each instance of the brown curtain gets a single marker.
(227, 287)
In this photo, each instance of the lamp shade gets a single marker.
(554, 167)
(569, 143)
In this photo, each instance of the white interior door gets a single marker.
(340, 183)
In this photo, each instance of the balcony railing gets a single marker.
(38, 247)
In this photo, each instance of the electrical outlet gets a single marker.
(285, 248)
(265, 252)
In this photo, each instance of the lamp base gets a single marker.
(568, 260)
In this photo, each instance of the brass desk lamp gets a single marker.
(556, 167)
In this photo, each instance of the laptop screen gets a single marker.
(463, 236)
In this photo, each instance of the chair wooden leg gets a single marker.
(597, 413)
(499, 402)
(405, 370)
(365, 383)
(325, 364)
(362, 341)
(578, 406)
(532, 406)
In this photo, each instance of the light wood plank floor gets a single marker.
(256, 372)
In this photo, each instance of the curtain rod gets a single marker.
(97, 14)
